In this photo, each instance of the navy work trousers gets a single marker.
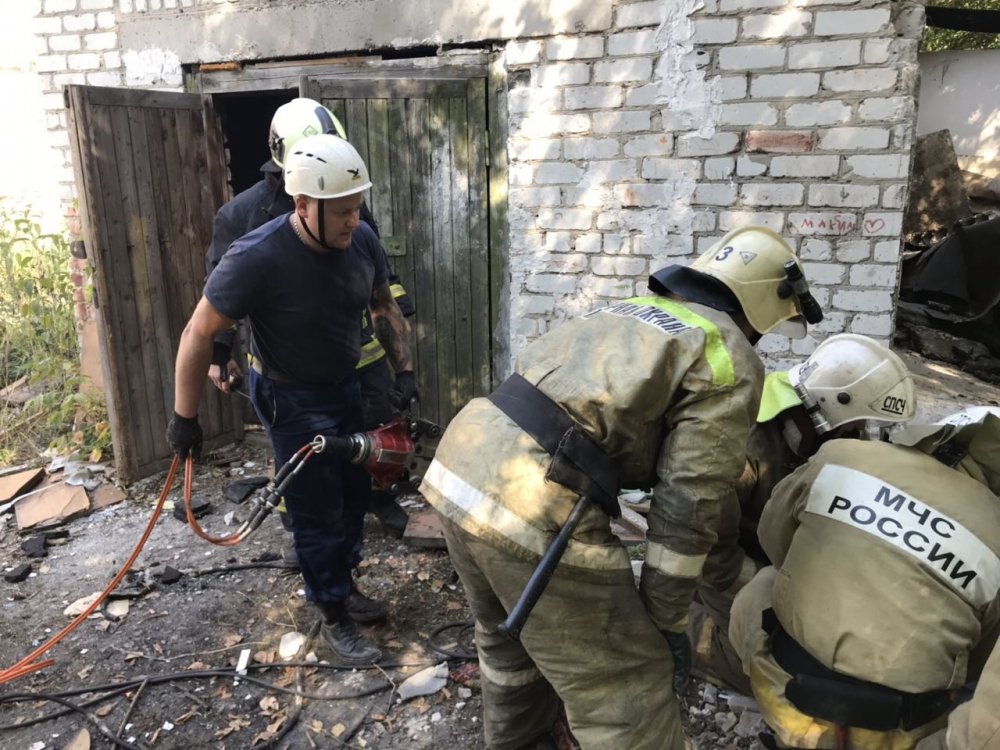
(328, 498)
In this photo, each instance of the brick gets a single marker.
(548, 125)
(562, 74)
(851, 22)
(853, 251)
(103, 41)
(639, 14)
(533, 304)
(557, 172)
(65, 43)
(621, 265)
(523, 53)
(879, 166)
(96, 4)
(621, 122)
(805, 114)
(882, 224)
(703, 221)
(866, 79)
(893, 108)
(566, 263)
(691, 144)
(734, 219)
(780, 85)
(81, 22)
(773, 344)
(727, 6)
(106, 20)
(633, 43)
(555, 242)
(748, 166)
(615, 288)
(779, 141)
(642, 96)
(588, 149)
(649, 145)
(732, 87)
(588, 243)
(615, 244)
(564, 218)
(772, 194)
(645, 194)
(863, 301)
(84, 61)
(550, 283)
(612, 170)
(824, 55)
(586, 195)
(533, 197)
(671, 169)
(805, 166)
(751, 57)
(750, 113)
(59, 6)
(823, 224)
(66, 79)
(714, 30)
(894, 196)
(532, 99)
(592, 97)
(872, 325)
(872, 274)
(887, 252)
(721, 168)
(843, 139)
(816, 250)
(624, 70)
(825, 274)
(574, 48)
(715, 194)
(50, 63)
(788, 23)
(877, 51)
(843, 196)
(46, 25)
(112, 60)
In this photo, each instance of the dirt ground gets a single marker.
(161, 676)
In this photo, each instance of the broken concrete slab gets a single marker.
(105, 495)
(424, 530)
(52, 505)
(17, 484)
(937, 191)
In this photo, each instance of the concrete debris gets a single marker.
(17, 573)
(750, 724)
(291, 644)
(425, 682)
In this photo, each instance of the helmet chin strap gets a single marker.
(321, 240)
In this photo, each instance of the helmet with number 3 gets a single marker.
(749, 263)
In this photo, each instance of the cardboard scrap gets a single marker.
(52, 505)
(15, 484)
(105, 495)
(424, 530)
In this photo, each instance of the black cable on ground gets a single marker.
(71, 708)
(465, 648)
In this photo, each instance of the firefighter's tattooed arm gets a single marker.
(392, 329)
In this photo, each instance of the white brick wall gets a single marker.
(640, 145)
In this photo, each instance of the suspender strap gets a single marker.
(847, 701)
(578, 463)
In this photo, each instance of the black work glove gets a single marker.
(680, 647)
(403, 390)
(184, 436)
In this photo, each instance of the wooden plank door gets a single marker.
(150, 174)
(425, 144)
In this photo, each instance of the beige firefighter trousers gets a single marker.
(588, 643)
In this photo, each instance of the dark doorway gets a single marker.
(246, 120)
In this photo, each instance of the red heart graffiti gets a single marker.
(874, 225)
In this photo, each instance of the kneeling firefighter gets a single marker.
(885, 579)
(658, 391)
(848, 383)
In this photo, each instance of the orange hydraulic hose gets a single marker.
(25, 666)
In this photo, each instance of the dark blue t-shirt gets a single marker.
(303, 306)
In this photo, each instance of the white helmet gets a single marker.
(325, 166)
(851, 377)
(751, 264)
(298, 119)
(971, 434)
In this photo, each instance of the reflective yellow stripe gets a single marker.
(470, 509)
(672, 563)
(371, 352)
(723, 372)
(777, 396)
(518, 678)
(397, 290)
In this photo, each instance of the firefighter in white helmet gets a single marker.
(657, 391)
(265, 200)
(849, 383)
(885, 580)
(303, 281)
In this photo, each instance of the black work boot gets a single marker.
(365, 610)
(340, 631)
(385, 508)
